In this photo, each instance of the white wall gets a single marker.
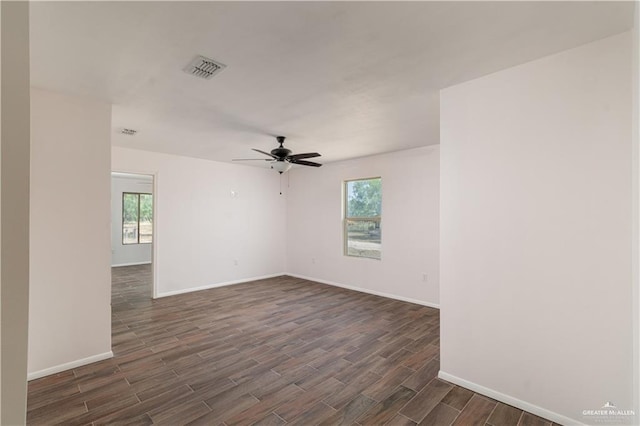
(1, 382)
(409, 225)
(127, 254)
(636, 208)
(536, 232)
(70, 288)
(201, 229)
(14, 190)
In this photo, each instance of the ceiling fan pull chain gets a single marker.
(280, 183)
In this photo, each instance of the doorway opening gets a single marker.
(132, 240)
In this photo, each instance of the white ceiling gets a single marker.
(346, 79)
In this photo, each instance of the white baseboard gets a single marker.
(364, 290)
(69, 365)
(222, 284)
(131, 264)
(515, 402)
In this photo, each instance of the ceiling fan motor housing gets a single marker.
(281, 152)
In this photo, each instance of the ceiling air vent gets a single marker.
(204, 67)
(128, 132)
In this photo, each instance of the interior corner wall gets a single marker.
(536, 205)
(70, 289)
(1, 383)
(410, 228)
(215, 223)
(14, 191)
(127, 254)
(636, 208)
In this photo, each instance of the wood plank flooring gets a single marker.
(271, 352)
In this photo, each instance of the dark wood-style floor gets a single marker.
(271, 352)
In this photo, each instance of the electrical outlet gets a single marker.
(235, 262)
(424, 277)
(313, 260)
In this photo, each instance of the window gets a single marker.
(362, 214)
(137, 218)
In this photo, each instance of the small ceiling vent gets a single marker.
(204, 67)
(128, 132)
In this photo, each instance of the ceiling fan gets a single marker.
(282, 158)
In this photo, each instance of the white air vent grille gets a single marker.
(204, 67)
(128, 132)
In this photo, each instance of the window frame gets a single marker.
(125, 193)
(346, 218)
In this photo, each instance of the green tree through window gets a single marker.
(365, 198)
(137, 218)
(363, 213)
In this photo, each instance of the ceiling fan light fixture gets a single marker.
(281, 166)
